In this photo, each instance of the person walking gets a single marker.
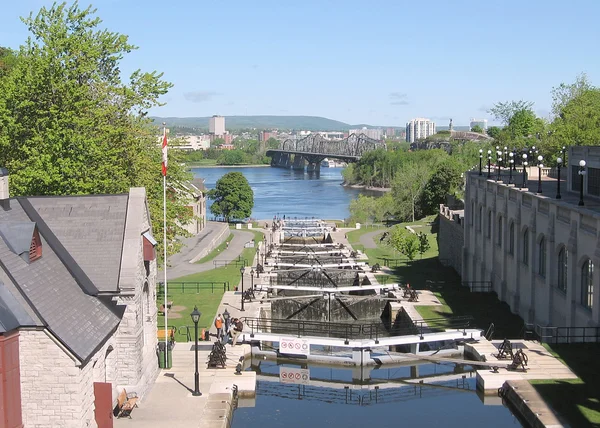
(237, 326)
(219, 326)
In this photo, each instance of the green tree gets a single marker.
(578, 122)
(71, 124)
(8, 60)
(404, 241)
(423, 243)
(494, 132)
(233, 197)
(446, 179)
(232, 157)
(564, 93)
(478, 129)
(272, 143)
(524, 123)
(503, 111)
(407, 189)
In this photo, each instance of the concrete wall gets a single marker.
(451, 237)
(497, 214)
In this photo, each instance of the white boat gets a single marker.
(328, 163)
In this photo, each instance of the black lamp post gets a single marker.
(242, 270)
(581, 175)
(252, 277)
(499, 162)
(511, 164)
(489, 162)
(480, 157)
(540, 158)
(524, 172)
(559, 161)
(196, 317)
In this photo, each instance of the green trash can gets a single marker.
(161, 356)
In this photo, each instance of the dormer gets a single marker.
(23, 239)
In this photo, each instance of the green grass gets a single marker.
(202, 162)
(576, 400)
(214, 253)
(205, 299)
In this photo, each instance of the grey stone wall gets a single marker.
(451, 238)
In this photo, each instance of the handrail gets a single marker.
(197, 286)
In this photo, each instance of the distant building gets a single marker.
(390, 132)
(216, 125)
(265, 135)
(419, 128)
(227, 139)
(482, 123)
(331, 135)
(375, 133)
(195, 142)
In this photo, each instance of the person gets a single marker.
(219, 326)
(237, 326)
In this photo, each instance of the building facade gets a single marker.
(78, 274)
(419, 128)
(216, 125)
(541, 254)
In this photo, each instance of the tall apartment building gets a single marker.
(419, 128)
(478, 122)
(216, 125)
(374, 133)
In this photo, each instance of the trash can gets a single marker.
(161, 356)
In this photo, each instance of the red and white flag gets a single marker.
(164, 154)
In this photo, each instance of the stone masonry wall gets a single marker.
(451, 238)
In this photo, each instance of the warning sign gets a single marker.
(294, 346)
(291, 375)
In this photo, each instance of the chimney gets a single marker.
(4, 198)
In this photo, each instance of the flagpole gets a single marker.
(165, 244)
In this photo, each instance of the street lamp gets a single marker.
(540, 158)
(511, 164)
(524, 172)
(252, 277)
(499, 162)
(558, 163)
(581, 174)
(196, 317)
(489, 162)
(480, 157)
(242, 270)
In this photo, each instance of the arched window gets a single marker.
(562, 269)
(542, 257)
(511, 239)
(489, 225)
(499, 237)
(587, 284)
(526, 247)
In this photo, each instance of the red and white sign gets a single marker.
(291, 375)
(294, 346)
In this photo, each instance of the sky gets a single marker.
(376, 62)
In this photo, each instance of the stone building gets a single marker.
(196, 192)
(78, 281)
(538, 252)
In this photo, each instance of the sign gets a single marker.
(291, 375)
(294, 346)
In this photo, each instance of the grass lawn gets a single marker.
(202, 162)
(214, 253)
(206, 300)
(576, 400)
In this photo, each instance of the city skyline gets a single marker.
(309, 59)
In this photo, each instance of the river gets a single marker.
(291, 193)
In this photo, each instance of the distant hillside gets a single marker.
(309, 123)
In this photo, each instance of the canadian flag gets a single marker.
(164, 154)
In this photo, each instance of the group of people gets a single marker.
(228, 329)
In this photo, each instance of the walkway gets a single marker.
(368, 239)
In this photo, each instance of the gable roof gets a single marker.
(17, 236)
(57, 289)
(91, 228)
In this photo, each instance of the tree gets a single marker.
(445, 180)
(524, 123)
(503, 111)
(423, 243)
(563, 94)
(233, 197)
(578, 122)
(407, 188)
(8, 59)
(404, 241)
(71, 124)
(231, 157)
(494, 132)
(477, 129)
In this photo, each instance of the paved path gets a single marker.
(181, 266)
(367, 240)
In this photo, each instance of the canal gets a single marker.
(289, 192)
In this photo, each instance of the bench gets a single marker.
(160, 334)
(161, 309)
(125, 404)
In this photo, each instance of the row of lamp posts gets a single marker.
(510, 156)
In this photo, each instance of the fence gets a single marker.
(479, 286)
(239, 262)
(558, 335)
(193, 287)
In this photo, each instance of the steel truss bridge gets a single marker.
(313, 148)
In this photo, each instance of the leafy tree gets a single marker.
(578, 122)
(503, 111)
(70, 123)
(272, 143)
(233, 197)
(423, 243)
(407, 189)
(478, 129)
(231, 157)
(404, 241)
(563, 94)
(445, 180)
(524, 123)
(8, 60)
(494, 132)
(217, 142)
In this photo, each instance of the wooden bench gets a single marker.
(160, 334)
(126, 404)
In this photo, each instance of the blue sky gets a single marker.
(377, 62)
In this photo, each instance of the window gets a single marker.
(542, 257)
(593, 181)
(562, 269)
(526, 247)
(489, 225)
(35, 247)
(587, 284)
(499, 239)
(511, 239)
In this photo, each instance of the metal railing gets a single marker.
(239, 262)
(558, 335)
(433, 325)
(478, 286)
(193, 287)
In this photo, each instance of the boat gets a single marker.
(327, 163)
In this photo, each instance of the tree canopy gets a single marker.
(233, 197)
(71, 124)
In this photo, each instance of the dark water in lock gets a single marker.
(293, 193)
(331, 398)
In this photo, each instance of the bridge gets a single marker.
(312, 149)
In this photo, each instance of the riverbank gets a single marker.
(370, 188)
(199, 165)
